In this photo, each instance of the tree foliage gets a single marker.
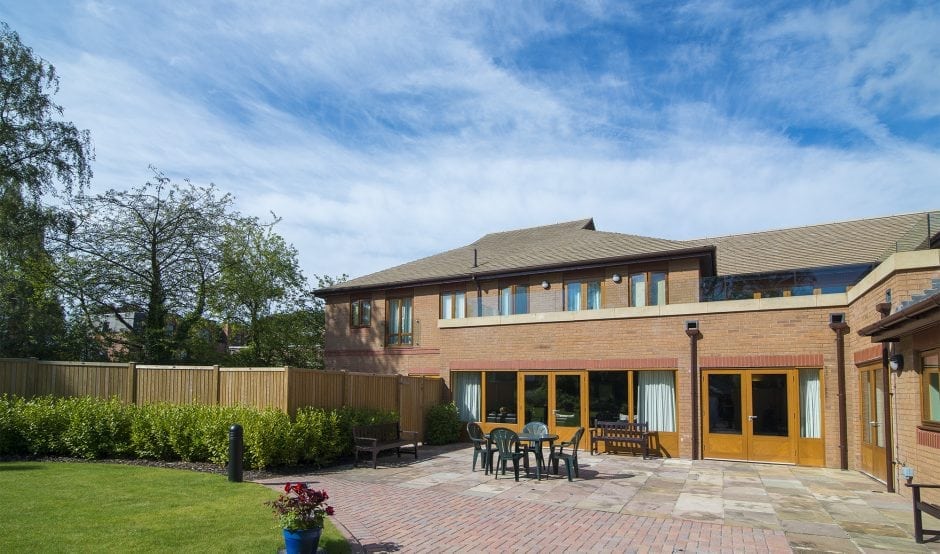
(36, 148)
(37, 152)
(152, 249)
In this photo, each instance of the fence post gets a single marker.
(132, 368)
(32, 378)
(218, 383)
(286, 406)
(345, 387)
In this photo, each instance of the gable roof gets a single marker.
(578, 243)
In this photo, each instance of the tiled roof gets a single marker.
(578, 243)
(829, 244)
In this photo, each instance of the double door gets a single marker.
(751, 415)
(557, 399)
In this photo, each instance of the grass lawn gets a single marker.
(87, 507)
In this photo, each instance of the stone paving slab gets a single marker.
(620, 503)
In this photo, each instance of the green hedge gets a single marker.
(93, 428)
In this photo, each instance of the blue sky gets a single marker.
(382, 132)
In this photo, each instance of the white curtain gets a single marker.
(658, 288)
(573, 300)
(466, 386)
(460, 301)
(447, 306)
(638, 289)
(594, 295)
(505, 301)
(656, 399)
(879, 409)
(810, 405)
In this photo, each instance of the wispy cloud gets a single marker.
(382, 132)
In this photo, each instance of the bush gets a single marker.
(443, 424)
(95, 428)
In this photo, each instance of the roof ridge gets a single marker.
(581, 224)
(779, 229)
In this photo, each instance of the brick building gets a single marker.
(741, 347)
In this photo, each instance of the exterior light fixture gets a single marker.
(908, 473)
(896, 362)
(545, 285)
(617, 278)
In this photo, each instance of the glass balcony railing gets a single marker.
(785, 283)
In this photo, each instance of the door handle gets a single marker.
(752, 417)
(874, 423)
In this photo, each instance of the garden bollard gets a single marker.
(236, 447)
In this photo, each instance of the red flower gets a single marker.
(329, 510)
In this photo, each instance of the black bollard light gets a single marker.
(236, 448)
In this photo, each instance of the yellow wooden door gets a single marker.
(723, 427)
(871, 410)
(558, 399)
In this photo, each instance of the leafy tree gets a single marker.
(259, 277)
(37, 151)
(153, 249)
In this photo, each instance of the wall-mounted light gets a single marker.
(617, 278)
(908, 473)
(896, 362)
(545, 285)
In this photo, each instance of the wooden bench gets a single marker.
(620, 434)
(921, 507)
(383, 436)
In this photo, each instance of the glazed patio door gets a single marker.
(751, 415)
(871, 398)
(557, 399)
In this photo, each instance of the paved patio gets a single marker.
(619, 504)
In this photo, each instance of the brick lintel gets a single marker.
(869, 354)
(762, 360)
(615, 363)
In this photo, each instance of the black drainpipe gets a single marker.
(884, 308)
(840, 328)
(694, 335)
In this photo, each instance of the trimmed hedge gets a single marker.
(94, 428)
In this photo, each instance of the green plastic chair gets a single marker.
(506, 442)
(535, 428)
(481, 447)
(570, 458)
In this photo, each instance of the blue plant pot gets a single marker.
(302, 542)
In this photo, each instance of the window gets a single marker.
(653, 397)
(501, 387)
(453, 305)
(930, 364)
(514, 299)
(582, 295)
(466, 385)
(360, 312)
(648, 288)
(399, 322)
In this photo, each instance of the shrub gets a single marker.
(443, 424)
(97, 428)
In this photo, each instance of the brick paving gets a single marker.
(620, 504)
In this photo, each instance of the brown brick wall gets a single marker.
(784, 334)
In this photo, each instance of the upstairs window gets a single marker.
(360, 312)
(514, 299)
(399, 322)
(648, 288)
(453, 305)
(582, 295)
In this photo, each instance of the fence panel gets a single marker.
(28, 378)
(259, 387)
(316, 388)
(367, 390)
(176, 384)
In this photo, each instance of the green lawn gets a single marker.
(86, 507)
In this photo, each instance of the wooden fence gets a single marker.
(284, 388)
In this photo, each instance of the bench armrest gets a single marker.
(365, 441)
(409, 435)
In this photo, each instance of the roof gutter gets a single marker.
(531, 270)
(911, 313)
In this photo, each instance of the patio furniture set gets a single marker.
(508, 446)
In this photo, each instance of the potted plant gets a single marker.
(300, 511)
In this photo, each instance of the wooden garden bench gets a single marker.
(921, 507)
(383, 436)
(619, 434)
